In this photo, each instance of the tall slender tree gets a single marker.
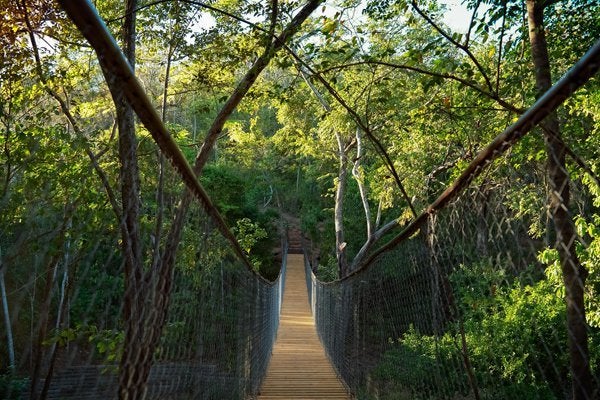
(573, 272)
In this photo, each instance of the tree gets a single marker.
(8, 324)
(145, 323)
(574, 274)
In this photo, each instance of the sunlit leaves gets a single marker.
(249, 233)
(589, 230)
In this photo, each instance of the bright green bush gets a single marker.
(516, 342)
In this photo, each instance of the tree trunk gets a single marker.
(38, 353)
(359, 176)
(62, 309)
(360, 257)
(340, 190)
(160, 190)
(574, 274)
(9, 337)
(342, 180)
(132, 373)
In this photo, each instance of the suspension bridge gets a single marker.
(406, 328)
(299, 367)
(467, 302)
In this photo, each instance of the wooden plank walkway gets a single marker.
(299, 368)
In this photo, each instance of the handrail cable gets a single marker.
(115, 67)
(581, 72)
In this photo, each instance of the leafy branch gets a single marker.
(67, 113)
(492, 95)
(463, 47)
(358, 120)
(576, 77)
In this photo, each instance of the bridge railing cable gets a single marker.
(472, 302)
(80, 332)
(68, 315)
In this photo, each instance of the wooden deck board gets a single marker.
(299, 368)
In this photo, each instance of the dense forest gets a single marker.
(346, 117)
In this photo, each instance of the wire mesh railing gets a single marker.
(146, 296)
(473, 306)
(493, 295)
(65, 295)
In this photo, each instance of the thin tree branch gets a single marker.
(199, 4)
(273, 24)
(500, 48)
(472, 23)
(66, 111)
(576, 77)
(463, 81)
(462, 47)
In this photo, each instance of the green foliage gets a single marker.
(525, 340)
(589, 255)
(226, 186)
(100, 288)
(420, 367)
(248, 235)
(12, 386)
(108, 343)
(238, 195)
(478, 286)
(515, 334)
(328, 269)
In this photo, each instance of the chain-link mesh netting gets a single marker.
(113, 284)
(472, 306)
(63, 280)
(494, 296)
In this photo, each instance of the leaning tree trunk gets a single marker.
(574, 274)
(38, 349)
(132, 369)
(340, 188)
